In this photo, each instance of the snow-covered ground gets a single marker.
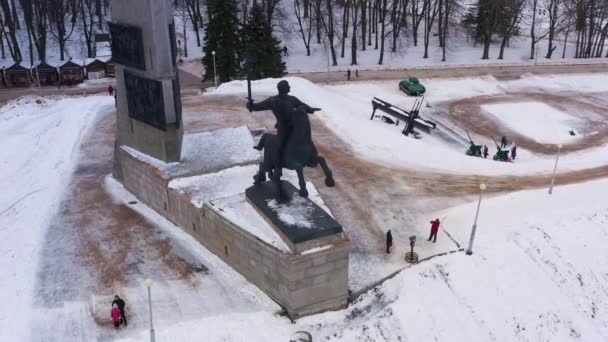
(539, 269)
(346, 109)
(526, 117)
(40, 140)
(538, 273)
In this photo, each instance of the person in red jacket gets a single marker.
(434, 229)
(115, 314)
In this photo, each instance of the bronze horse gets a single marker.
(299, 152)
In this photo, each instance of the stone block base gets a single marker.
(303, 282)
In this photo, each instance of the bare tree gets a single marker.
(383, 30)
(345, 20)
(35, 18)
(2, 52)
(328, 25)
(63, 15)
(417, 15)
(429, 18)
(9, 29)
(398, 15)
(87, 17)
(533, 38)
(318, 15)
(182, 14)
(487, 24)
(194, 12)
(353, 44)
(509, 16)
(304, 23)
(553, 18)
(15, 16)
(446, 8)
(364, 4)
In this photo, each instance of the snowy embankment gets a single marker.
(539, 271)
(346, 109)
(40, 140)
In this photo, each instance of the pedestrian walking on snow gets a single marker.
(285, 51)
(434, 229)
(348, 75)
(120, 303)
(513, 151)
(110, 90)
(115, 314)
(503, 142)
(485, 152)
(389, 241)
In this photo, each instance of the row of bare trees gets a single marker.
(387, 24)
(34, 22)
(383, 25)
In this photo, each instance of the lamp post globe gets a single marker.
(214, 69)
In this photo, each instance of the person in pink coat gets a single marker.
(115, 314)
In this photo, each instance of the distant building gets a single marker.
(102, 45)
(47, 74)
(71, 72)
(17, 76)
(95, 68)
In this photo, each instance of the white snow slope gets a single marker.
(539, 272)
(40, 141)
(346, 109)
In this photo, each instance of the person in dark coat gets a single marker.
(285, 51)
(282, 107)
(434, 229)
(120, 303)
(503, 142)
(110, 90)
(485, 152)
(389, 241)
(348, 75)
(115, 314)
(513, 151)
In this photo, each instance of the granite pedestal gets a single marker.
(300, 222)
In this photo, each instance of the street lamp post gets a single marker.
(148, 283)
(559, 147)
(482, 187)
(541, 14)
(214, 69)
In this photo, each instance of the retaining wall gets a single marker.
(302, 284)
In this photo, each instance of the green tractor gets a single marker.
(474, 150)
(501, 155)
(412, 87)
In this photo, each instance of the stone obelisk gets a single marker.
(148, 105)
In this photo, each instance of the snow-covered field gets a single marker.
(539, 271)
(346, 109)
(526, 117)
(40, 140)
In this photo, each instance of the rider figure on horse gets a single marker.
(282, 107)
